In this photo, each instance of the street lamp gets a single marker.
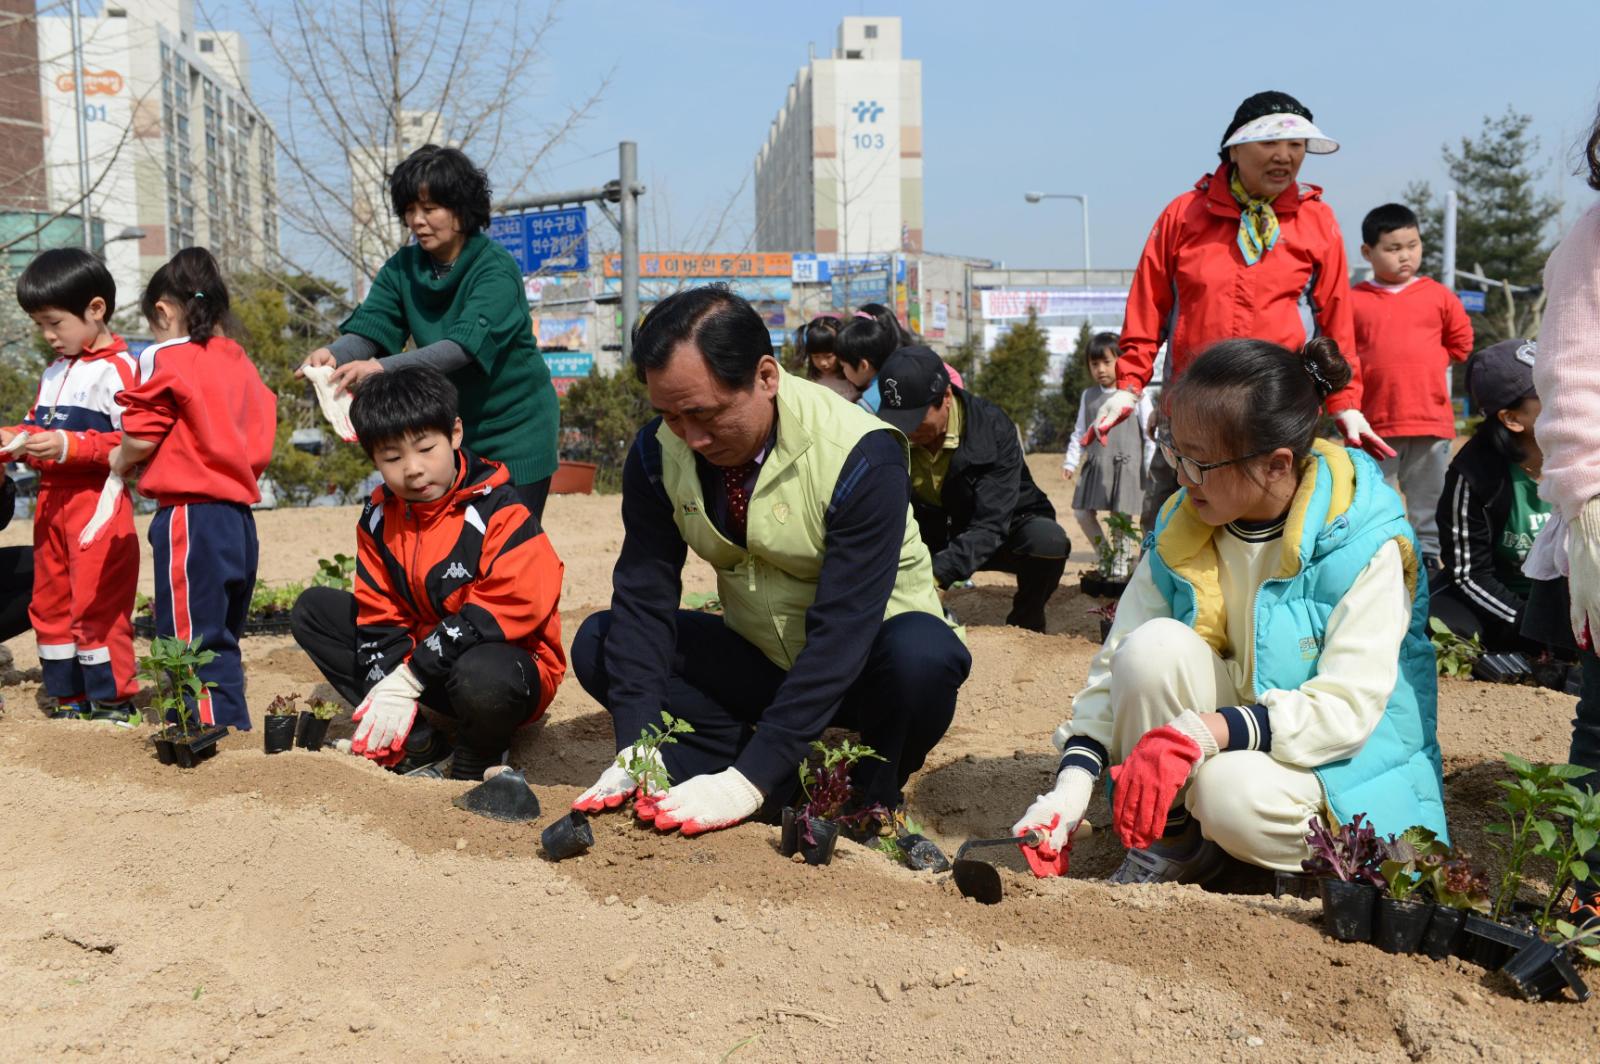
(1083, 201)
(129, 232)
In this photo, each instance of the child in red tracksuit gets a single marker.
(203, 424)
(82, 596)
(456, 593)
(1409, 329)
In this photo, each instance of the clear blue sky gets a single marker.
(1125, 102)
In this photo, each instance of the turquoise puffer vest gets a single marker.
(1341, 515)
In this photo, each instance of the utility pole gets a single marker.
(83, 125)
(1448, 265)
(628, 174)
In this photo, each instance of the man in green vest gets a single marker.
(798, 501)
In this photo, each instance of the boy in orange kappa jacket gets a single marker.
(456, 592)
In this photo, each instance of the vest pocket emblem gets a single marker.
(1309, 649)
(691, 508)
(780, 510)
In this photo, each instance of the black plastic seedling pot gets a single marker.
(922, 854)
(1444, 929)
(1541, 972)
(824, 837)
(311, 731)
(1490, 945)
(191, 748)
(278, 734)
(567, 837)
(164, 751)
(1347, 909)
(1400, 925)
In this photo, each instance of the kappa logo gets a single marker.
(867, 110)
(375, 674)
(432, 643)
(1528, 352)
(457, 571)
(452, 631)
(891, 392)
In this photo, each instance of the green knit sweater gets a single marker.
(508, 406)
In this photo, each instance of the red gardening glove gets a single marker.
(1147, 782)
(1044, 859)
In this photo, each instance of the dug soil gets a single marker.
(313, 907)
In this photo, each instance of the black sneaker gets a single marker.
(122, 714)
(69, 709)
(1187, 857)
(426, 747)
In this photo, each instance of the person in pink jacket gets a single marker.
(1567, 376)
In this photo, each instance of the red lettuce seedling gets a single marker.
(1456, 884)
(1352, 853)
(828, 790)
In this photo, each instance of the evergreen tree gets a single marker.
(1012, 378)
(604, 412)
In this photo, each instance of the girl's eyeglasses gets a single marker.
(1192, 470)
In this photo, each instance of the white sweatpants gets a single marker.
(1252, 806)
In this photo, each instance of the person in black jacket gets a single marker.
(1490, 511)
(976, 505)
(16, 570)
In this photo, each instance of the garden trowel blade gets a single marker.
(504, 796)
(978, 880)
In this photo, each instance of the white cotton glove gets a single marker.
(1357, 433)
(704, 803)
(384, 717)
(1583, 576)
(18, 441)
(1117, 408)
(335, 404)
(1056, 815)
(111, 495)
(614, 786)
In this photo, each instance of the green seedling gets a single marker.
(1455, 883)
(825, 780)
(1115, 551)
(1585, 939)
(337, 571)
(274, 598)
(1405, 858)
(322, 709)
(1537, 792)
(1567, 850)
(1453, 655)
(647, 772)
(283, 706)
(171, 667)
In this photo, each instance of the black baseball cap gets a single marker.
(910, 380)
(1501, 375)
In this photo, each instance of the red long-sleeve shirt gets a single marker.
(1407, 340)
(211, 417)
(1192, 288)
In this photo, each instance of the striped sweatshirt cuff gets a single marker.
(1083, 752)
(1248, 727)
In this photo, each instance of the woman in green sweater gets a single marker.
(457, 296)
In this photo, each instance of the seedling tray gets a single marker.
(144, 625)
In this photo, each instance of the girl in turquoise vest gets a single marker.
(1269, 663)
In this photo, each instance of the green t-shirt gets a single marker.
(1527, 516)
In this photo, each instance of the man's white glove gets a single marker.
(614, 786)
(1583, 576)
(1357, 433)
(384, 717)
(704, 803)
(335, 404)
(1115, 409)
(1057, 814)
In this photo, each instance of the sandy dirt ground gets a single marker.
(312, 907)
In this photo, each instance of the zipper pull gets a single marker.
(750, 567)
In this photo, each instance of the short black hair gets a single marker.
(731, 336)
(1387, 219)
(1505, 442)
(68, 279)
(1102, 345)
(402, 404)
(1591, 154)
(1260, 105)
(1259, 396)
(193, 280)
(447, 177)
(871, 336)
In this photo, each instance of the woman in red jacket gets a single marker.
(1242, 254)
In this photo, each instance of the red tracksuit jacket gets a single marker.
(214, 419)
(80, 397)
(435, 579)
(1192, 288)
(1407, 340)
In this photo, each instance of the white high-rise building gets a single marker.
(841, 170)
(375, 231)
(176, 150)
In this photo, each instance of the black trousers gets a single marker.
(1036, 553)
(492, 690)
(534, 496)
(1467, 619)
(16, 590)
(902, 703)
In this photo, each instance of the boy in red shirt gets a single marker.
(204, 423)
(82, 596)
(456, 592)
(1408, 330)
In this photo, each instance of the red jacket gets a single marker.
(1192, 288)
(435, 579)
(211, 417)
(1407, 341)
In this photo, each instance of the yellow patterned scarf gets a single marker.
(1258, 223)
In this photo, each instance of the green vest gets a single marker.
(767, 586)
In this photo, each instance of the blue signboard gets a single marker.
(569, 363)
(545, 241)
(1472, 301)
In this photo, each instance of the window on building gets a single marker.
(869, 32)
(209, 45)
(852, 53)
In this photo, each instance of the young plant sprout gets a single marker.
(1351, 854)
(322, 709)
(1535, 793)
(642, 761)
(1457, 885)
(171, 666)
(828, 790)
(283, 706)
(1116, 549)
(1567, 850)
(1404, 858)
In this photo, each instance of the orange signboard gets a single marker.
(95, 82)
(676, 264)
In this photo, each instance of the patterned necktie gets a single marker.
(733, 481)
